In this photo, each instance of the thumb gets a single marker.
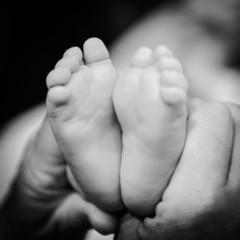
(104, 223)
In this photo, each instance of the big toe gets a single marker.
(74, 52)
(142, 58)
(95, 51)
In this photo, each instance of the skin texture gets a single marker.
(200, 200)
(42, 204)
(208, 197)
(150, 103)
(207, 77)
(82, 118)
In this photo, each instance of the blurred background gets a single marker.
(36, 34)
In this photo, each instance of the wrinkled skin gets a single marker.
(202, 200)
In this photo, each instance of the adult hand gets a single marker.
(41, 203)
(202, 200)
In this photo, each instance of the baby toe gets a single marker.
(71, 63)
(169, 63)
(74, 52)
(173, 96)
(160, 51)
(56, 97)
(142, 58)
(58, 76)
(171, 78)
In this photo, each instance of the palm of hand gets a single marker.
(204, 191)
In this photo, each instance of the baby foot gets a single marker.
(82, 117)
(150, 103)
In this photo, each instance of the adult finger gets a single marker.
(204, 164)
(234, 170)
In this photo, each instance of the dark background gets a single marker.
(35, 35)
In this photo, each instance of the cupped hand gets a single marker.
(202, 200)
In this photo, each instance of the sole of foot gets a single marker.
(82, 117)
(150, 102)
